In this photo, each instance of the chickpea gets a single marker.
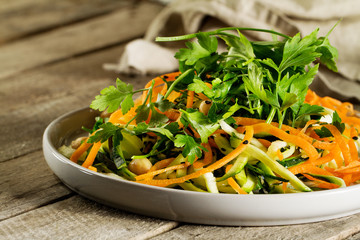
(77, 142)
(140, 165)
(105, 114)
(205, 106)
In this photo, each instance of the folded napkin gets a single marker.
(144, 56)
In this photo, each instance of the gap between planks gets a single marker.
(63, 43)
(44, 15)
(49, 92)
(75, 217)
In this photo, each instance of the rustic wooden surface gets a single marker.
(51, 56)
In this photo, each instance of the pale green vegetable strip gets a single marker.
(210, 181)
(190, 187)
(239, 164)
(277, 168)
(247, 184)
(331, 179)
(259, 154)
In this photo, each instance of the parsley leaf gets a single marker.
(105, 131)
(336, 121)
(114, 97)
(299, 52)
(201, 124)
(239, 46)
(207, 42)
(307, 110)
(254, 83)
(193, 53)
(200, 86)
(329, 54)
(323, 132)
(192, 149)
(163, 104)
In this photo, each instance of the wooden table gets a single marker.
(51, 56)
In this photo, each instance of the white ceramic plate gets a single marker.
(187, 206)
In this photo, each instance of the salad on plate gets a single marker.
(241, 121)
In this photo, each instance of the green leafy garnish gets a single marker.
(201, 123)
(192, 149)
(113, 97)
(266, 80)
(323, 132)
(105, 131)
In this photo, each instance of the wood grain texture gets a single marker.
(327, 230)
(354, 237)
(76, 39)
(22, 18)
(27, 183)
(30, 101)
(78, 218)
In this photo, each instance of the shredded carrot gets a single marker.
(218, 164)
(293, 131)
(348, 178)
(80, 150)
(115, 117)
(309, 168)
(352, 167)
(296, 140)
(314, 142)
(208, 157)
(337, 156)
(172, 114)
(303, 130)
(321, 183)
(156, 172)
(247, 121)
(279, 154)
(324, 159)
(92, 154)
(118, 117)
(235, 186)
(354, 178)
(284, 186)
(190, 99)
(341, 142)
(354, 133)
(161, 164)
(264, 142)
(92, 168)
(233, 183)
(159, 84)
(353, 150)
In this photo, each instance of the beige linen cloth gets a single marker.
(144, 56)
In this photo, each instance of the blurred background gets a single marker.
(48, 31)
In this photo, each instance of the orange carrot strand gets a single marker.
(218, 164)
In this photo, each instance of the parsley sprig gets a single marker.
(264, 80)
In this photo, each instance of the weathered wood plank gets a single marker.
(328, 230)
(354, 237)
(76, 39)
(22, 17)
(27, 183)
(78, 218)
(32, 100)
